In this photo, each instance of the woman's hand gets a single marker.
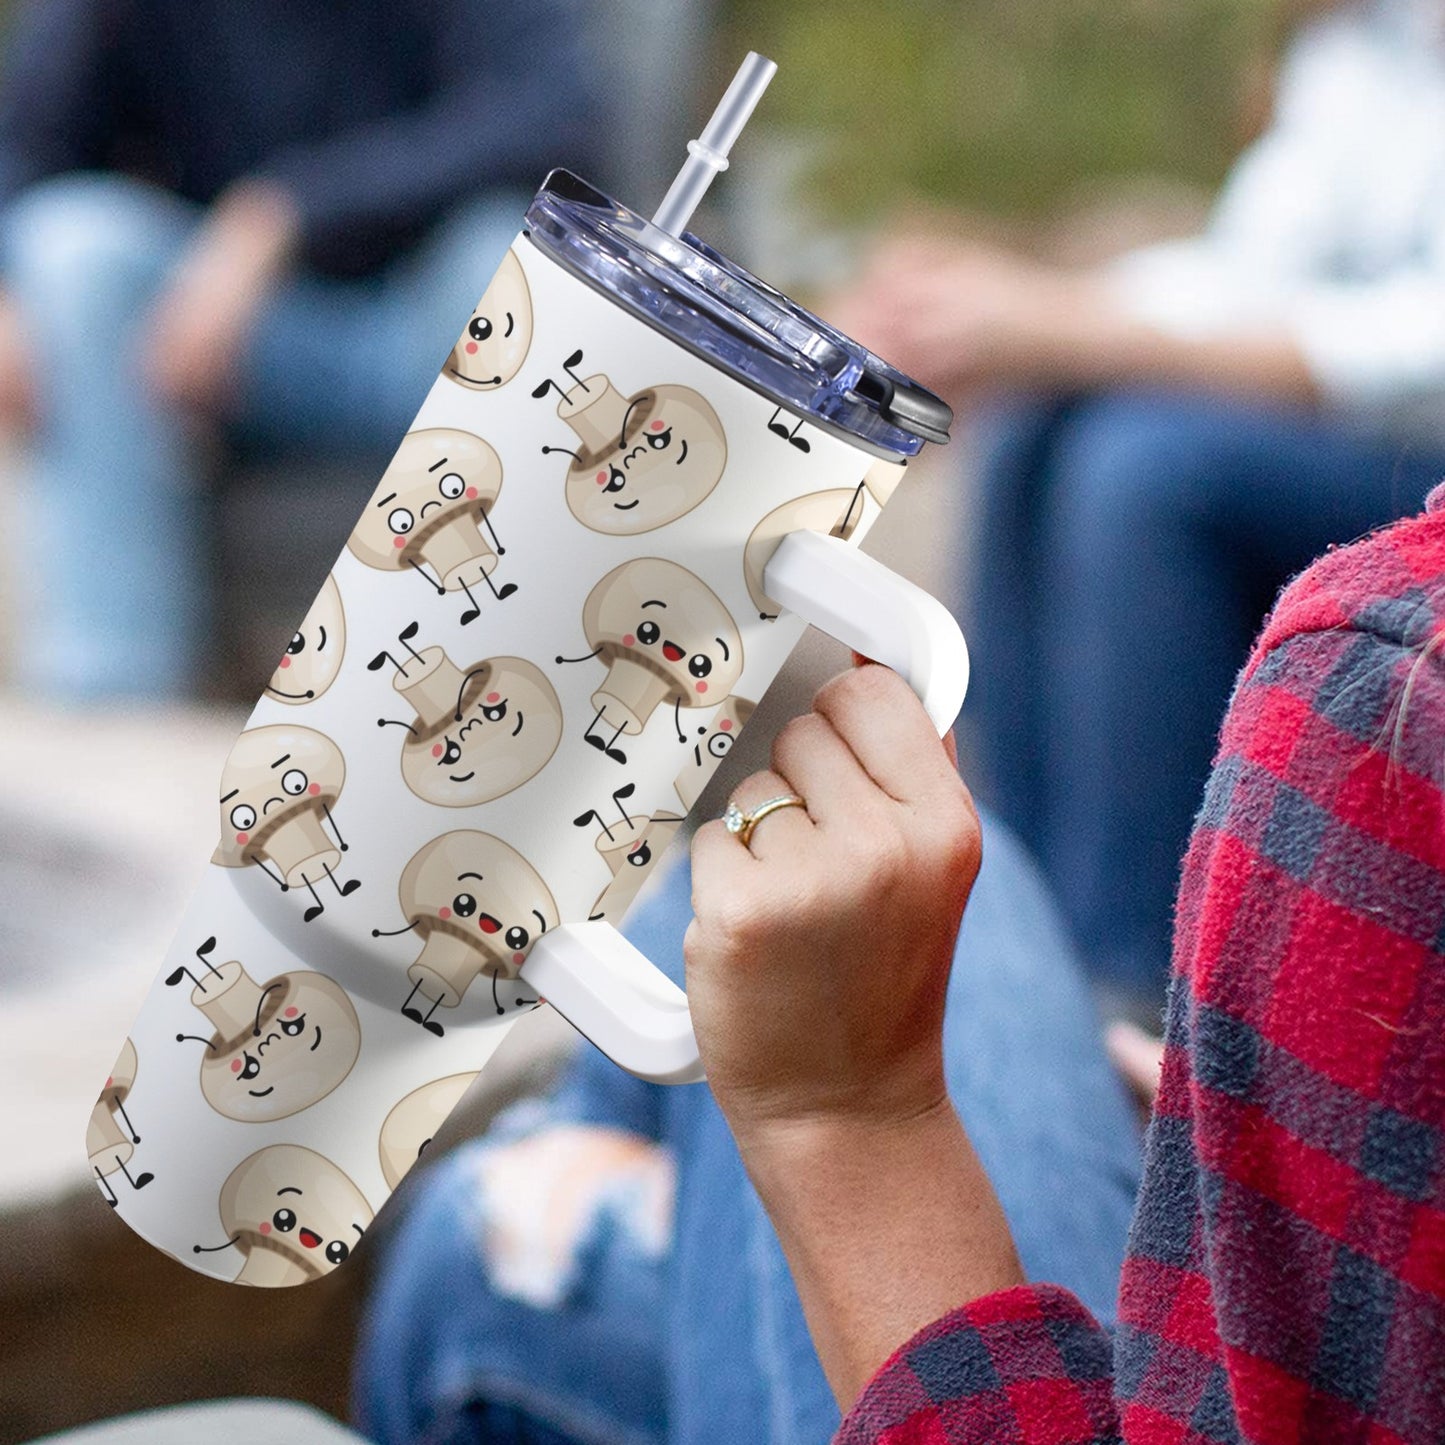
(962, 315)
(819, 956)
(817, 967)
(203, 318)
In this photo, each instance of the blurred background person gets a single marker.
(257, 222)
(1166, 439)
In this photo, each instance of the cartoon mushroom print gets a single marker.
(431, 514)
(413, 1123)
(714, 742)
(278, 788)
(492, 348)
(836, 512)
(313, 656)
(478, 906)
(293, 1215)
(475, 735)
(110, 1137)
(276, 1048)
(640, 461)
(664, 637)
(632, 865)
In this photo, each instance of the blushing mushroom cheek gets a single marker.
(444, 913)
(471, 348)
(628, 640)
(265, 1226)
(315, 788)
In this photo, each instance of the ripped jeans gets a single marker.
(599, 1271)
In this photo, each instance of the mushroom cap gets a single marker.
(836, 512)
(697, 651)
(327, 1208)
(506, 892)
(414, 1121)
(499, 332)
(711, 745)
(122, 1073)
(272, 772)
(437, 484)
(511, 725)
(313, 657)
(660, 460)
(308, 1042)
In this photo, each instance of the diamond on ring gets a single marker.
(741, 824)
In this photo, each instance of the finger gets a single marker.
(783, 830)
(825, 771)
(881, 719)
(1138, 1056)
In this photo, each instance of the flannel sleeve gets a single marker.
(1306, 1050)
(1026, 1366)
(1286, 1273)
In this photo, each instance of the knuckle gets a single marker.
(796, 736)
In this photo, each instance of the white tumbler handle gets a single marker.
(603, 986)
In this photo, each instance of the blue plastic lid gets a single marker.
(704, 302)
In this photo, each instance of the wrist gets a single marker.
(887, 1225)
(834, 1141)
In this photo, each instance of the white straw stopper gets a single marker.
(708, 155)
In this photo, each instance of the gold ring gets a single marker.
(741, 824)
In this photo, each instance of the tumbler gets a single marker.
(640, 474)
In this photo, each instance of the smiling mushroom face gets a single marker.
(413, 1123)
(492, 348)
(478, 905)
(278, 1049)
(664, 637)
(479, 734)
(642, 461)
(274, 787)
(313, 656)
(294, 1215)
(427, 509)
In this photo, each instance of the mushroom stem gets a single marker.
(631, 692)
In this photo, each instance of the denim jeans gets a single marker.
(116, 516)
(1129, 546)
(636, 1339)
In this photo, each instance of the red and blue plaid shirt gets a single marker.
(1285, 1282)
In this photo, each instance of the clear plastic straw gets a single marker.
(708, 155)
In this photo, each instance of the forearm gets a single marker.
(1104, 346)
(885, 1228)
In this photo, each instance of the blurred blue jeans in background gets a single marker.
(1129, 545)
(702, 1340)
(115, 535)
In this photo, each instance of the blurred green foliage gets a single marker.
(1008, 106)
